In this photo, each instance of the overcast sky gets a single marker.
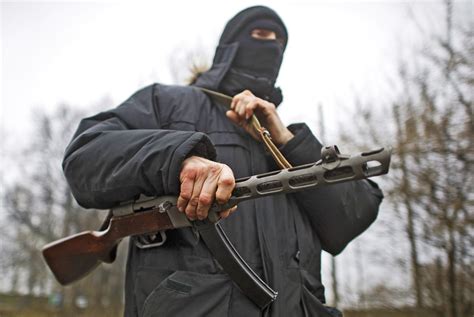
(80, 52)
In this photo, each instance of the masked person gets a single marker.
(175, 140)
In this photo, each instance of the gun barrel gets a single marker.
(295, 179)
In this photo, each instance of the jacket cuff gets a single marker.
(303, 148)
(198, 144)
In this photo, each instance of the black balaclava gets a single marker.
(257, 62)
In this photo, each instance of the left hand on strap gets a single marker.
(245, 104)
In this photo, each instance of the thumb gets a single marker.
(232, 115)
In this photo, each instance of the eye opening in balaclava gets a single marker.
(245, 17)
(257, 62)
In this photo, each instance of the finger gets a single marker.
(240, 102)
(206, 197)
(225, 185)
(267, 108)
(247, 92)
(244, 124)
(191, 207)
(226, 213)
(233, 116)
(240, 107)
(185, 193)
(237, 98)
(234, 102)
(250, 108)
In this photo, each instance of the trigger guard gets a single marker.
(147, 241)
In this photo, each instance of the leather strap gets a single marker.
(265, 136)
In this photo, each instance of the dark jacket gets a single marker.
(138, 147)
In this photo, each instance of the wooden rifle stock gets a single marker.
(72, 258)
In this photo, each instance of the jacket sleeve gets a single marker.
(119, 154)
(337, 212)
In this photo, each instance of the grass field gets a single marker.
(30, 306)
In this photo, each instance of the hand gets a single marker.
(202, 181)
(245, 104)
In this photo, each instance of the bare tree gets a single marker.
(432, 172)
(40, 208)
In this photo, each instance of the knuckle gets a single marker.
(188, 172)
(194, 201)
(266, 104)
(197, 167)
(190, 214)
(220, 199)
(205, 199)
(226, 181)
(201, 214)
(185, 195)
(215, 168)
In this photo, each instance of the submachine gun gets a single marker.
(73, 257)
